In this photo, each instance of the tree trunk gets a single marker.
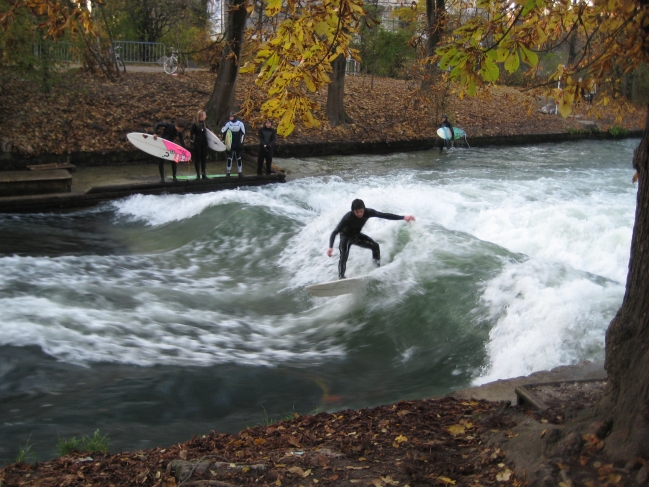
(626, 400)
(435, 19)
(572, 48)
(336, 92)
(222, 100)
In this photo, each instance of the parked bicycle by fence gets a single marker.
(119, 64)
(171, 64)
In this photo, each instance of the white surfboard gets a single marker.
(159, 147)
(337, 288)
(213, 142)
(445, 133)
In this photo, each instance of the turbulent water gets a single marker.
(158, 317)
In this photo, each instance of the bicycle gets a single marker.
(171, 63)
(119, 64)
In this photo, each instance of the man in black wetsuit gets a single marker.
(170, 131)
(267, 140)
(447, 124)
(350, 228)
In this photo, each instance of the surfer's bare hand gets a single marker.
(330, 252)
(409, 218)
(155, 136)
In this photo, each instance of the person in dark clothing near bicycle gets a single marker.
(198, 136)
(267, 139)
(350, 228)
(170, 131)
(446, 124)
(238, 130)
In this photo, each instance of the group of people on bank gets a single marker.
(197, 143)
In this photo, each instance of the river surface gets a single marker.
(156, 318)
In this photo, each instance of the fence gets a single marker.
(60, 52)
(141, 52)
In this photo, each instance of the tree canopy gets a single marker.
(299, 56)
(511, 35)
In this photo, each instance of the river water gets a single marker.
(155, 318)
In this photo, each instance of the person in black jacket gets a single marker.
(447, 124)
(170, 132)
(198, 136)
(350, 228)
(267, 139)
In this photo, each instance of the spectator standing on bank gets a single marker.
(267, 140)
(170, 131)
(238, 131)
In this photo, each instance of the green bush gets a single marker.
(617, 131)
(94, 443)
(26, 453)
(67, 446)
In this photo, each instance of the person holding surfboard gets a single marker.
(350, 228)
(238, 132)
(170, 131)
(267, 139)
(198, 136)
(446, 124)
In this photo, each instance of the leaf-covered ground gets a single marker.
(86, 113)
(428, 442)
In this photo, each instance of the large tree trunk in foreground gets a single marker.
(336, 93)
(221, 102)
(626, 401)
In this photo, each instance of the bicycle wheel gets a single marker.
(171, 65)
(120, 65)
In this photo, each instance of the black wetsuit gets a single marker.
(199, 152)
(169, 133)
(350, 234)
(267, 139)
(448, 125)
(238, 130)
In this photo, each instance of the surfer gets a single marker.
(238, 131)
(446, 124)
(350, 228)
(267, 139)
(170, 131)
(198, 136)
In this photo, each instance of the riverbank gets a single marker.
(446, 441)
(85, 120)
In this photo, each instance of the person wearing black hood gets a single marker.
(170, 131)
(198, 136)
(267, 139)
(238, 130)
(446, 124)
(350, 228)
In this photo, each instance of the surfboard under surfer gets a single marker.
(350, 228)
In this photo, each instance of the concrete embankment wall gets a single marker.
(14, 161)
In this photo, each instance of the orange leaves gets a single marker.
(56, 17)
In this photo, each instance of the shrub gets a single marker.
(617, 131)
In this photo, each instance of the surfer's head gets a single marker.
(233, 115)
(200, 116)
(358, 207)
(444, 117)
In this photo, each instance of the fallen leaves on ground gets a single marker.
(372, 447)
(86, 113)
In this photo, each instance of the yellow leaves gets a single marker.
(456, 429)
(273, 7)
(399, 439)
(446, 480)
(504, 476)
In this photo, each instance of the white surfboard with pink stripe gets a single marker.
(159, 147)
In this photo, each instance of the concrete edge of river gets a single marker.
(504, 390)
(16, 161)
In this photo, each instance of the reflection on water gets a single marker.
(155, 318)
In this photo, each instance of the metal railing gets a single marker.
(141, 52)
(60, 52)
